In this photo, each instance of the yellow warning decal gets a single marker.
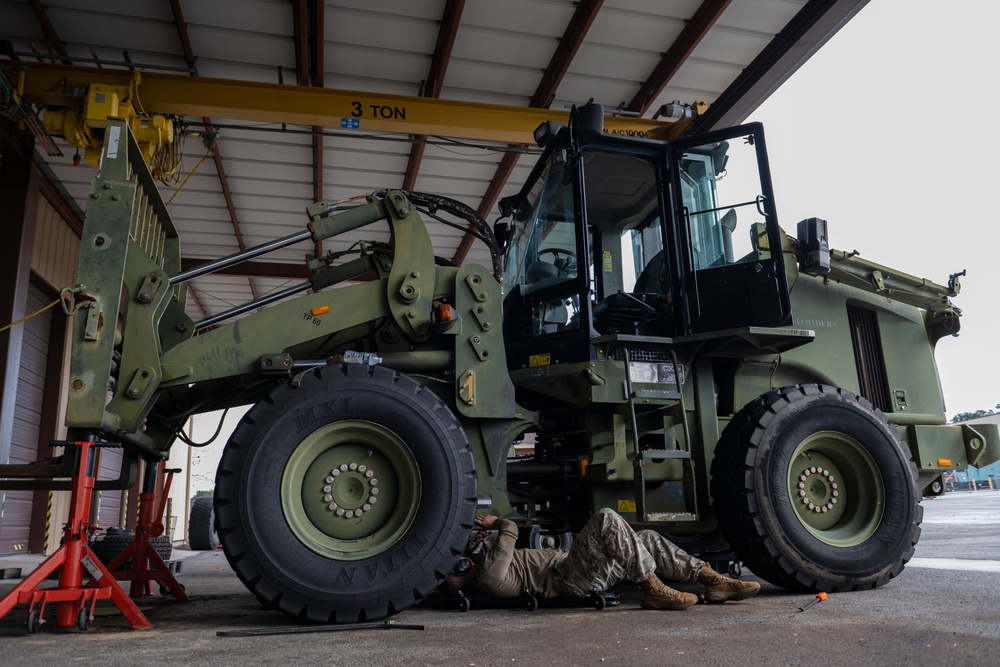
(607, 262)
(626, 505)
(539, 360)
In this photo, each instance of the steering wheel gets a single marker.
(557, 253)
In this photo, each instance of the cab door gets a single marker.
(727, 225)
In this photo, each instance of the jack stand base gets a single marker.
(74, 601)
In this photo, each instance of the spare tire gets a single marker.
(202, 535)
(107, 547)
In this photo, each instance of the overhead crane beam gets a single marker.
(364, 112)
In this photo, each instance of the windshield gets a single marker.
(541, 260)
(721, 186)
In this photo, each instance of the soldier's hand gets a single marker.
(487, 522)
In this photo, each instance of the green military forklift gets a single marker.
(647, 338)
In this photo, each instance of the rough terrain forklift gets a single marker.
(647, 335)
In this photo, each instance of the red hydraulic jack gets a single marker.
(74, 601)
(147, 565)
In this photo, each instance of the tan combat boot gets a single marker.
(722, 589)
(657, 595)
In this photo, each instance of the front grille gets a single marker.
(639, 354)
(868, 357)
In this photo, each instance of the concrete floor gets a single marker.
(942, 610)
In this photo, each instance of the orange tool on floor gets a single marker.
(816, 600)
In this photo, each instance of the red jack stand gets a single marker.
(74, 601)
(147, 564)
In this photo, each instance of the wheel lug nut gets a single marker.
(833, 486)
(375, 491)
(373, 481)
(372, 499)
(366, 507)
(816, 509)
(811, 506)
(329, 480)
(362, 468)
(327, 498)
(820, 471)
(802, 478)
(334, 473)
(802, 485)
(349, 514)
(813, 469)
(824, 508)
(332, 506)
(832, 480)
(369, 473)
(327, 488)
(802, 493)
(835, 493)
(343, 467)
(353, 466)
(833, 500)
(340, 511)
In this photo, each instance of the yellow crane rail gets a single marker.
(65, 86)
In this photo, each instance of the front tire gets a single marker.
(815, 491)
(346, 496)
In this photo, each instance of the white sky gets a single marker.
(889, 133)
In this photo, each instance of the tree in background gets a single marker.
(966, 416)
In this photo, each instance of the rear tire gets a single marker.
(312, 451)
(815, 491)
(202, 535)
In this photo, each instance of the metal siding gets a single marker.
(56, 248)
(15, 506)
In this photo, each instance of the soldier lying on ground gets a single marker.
(606, 551)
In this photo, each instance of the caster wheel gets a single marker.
(532, 604)
(600, 602)
(33, 622)
(83, 620)
(463, 604)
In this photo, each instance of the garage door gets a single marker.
(15, 515)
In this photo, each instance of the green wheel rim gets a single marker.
(350, 490)
(836, 489)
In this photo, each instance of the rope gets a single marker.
(28, 317)
(190, 174)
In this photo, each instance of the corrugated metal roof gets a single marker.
(503, 52)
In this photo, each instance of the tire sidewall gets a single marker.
(380, 582)
(892, 540)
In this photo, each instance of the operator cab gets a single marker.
(614, 235)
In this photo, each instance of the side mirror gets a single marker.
(502, 231)
(507, 206)
(814, 247)
(587, 122)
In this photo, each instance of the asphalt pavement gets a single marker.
(942, 610)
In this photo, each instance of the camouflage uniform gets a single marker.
(607, 550)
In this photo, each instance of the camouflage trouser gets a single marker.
(607, 550)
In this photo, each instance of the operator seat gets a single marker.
(539, 271)
(652, 277)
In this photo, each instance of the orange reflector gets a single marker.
(444, 312)
(322, 310)
(583, 467)
(944, 463)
